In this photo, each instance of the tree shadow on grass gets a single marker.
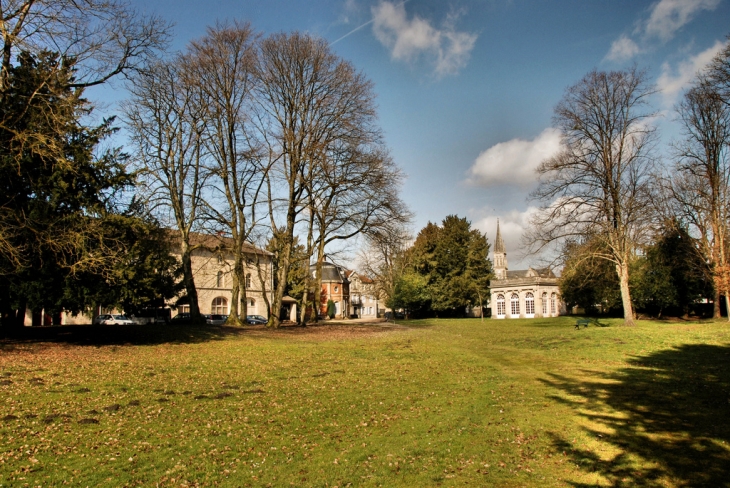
(106, 335)
(667, 415)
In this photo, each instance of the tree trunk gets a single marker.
(308, 279)
(262, 283)
(303, 311)
(623, 276)
(283, 271)
(189, 282)
(318, 286)
(282, 274)
(716, 303)
(237, 277)
(15, 318)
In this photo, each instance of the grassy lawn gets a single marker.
(431, 403)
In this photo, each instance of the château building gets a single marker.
(527, 293)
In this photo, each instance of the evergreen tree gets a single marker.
(672, 275)
(453, 260)
(56, 192)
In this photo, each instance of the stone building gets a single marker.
(527, 293)
(335, 287)
(364, 300)
(212, 264)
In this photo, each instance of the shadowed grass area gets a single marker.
(433, 403)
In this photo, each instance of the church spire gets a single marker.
(498, 242)
(500, 257)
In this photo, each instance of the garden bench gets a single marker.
(583, 322)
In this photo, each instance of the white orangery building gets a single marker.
(528, 293)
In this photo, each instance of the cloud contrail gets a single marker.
(352, 31)
(360, 27)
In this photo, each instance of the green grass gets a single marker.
(436, 403)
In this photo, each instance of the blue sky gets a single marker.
(466, 88)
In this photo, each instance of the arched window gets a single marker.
(219, 281)
(530, 304)
(544, 303)
(500, 306)
(515, 304)
(553, 304)
(219, 306)
(248, 280)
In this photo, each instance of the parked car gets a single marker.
(255, 320)
(181, 319)
(216, 319)
(112, 319)
(152, 316)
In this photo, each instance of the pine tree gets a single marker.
(55, 191)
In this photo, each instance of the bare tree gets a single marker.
(384, 259)
(222, 65)
(598, 184)
(105, 37)
(718, 73)
(166, 130)
(310, 99)
(355, 192)
(700, 186)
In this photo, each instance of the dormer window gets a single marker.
(337, 288)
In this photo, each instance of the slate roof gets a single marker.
(212, 242)
(530, 273)
(331, 272)
(363, 279)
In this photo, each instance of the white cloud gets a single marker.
(622, 48)
(407, 40)
(668, 16)
(665, 19)
(673, 80)
(514, 162)
(349, 10)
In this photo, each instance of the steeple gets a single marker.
(500, 257)
(498, 242)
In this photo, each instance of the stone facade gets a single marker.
(212, 269)
(364, 302)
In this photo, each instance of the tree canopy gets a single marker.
(452, 261)
(59, 194)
